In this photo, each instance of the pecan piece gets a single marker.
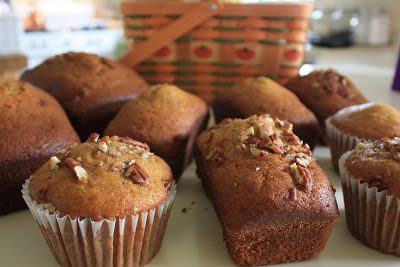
(54, 162)
(94, 137)
(167, 185)
(78, 170)
(137, 174)
(130, 141)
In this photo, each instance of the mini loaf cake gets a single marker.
(33, 127)
(90, 88)
(325, 92)
(275, 203)
(168, 119)
(371, 186)
(367, 122)
(256, 96)
(117, 187)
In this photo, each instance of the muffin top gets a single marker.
(84, 82)
(325, 92)
(369, 121)
(102, 179)
(161, 113)
(32, 123)
(377, 164)
(259, 169)
(256, 96)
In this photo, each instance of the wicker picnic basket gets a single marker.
(205, 47)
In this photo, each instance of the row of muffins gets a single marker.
(145, 126)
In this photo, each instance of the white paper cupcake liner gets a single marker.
(130, 241)
(372, 217)
(341, 142)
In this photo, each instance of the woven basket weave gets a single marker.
(208, 46)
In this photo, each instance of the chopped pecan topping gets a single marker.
(105, 139)
(293, 193)
(94, 137)
(54, 162)
(146, 154)
(130, 141)
(118, 166)
(137, 174)
(78, 170)
(103, 147)
(50, 207)
(130, 163)
(276, 148)
(167, 185)
(377, 182)
(114, 138)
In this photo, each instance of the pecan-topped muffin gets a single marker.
(33, 127)
(371, 186)
(90, 88)
(256, 96)
(119, 170)
(325, 92)
(264, 182)
(117, 185)
(361, 123)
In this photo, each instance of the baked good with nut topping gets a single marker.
(325, 92)
(256, 96)
(117, 187)
(371, 187)
(360, 123)
(90, 88)
(275, 203)
(33, 127)
(168, 119)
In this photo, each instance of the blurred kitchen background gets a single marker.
(33, 30)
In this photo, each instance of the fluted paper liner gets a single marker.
(339, 141)
(372, 217)
(130, 241)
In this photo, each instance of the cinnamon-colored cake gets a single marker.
(275, 203)
(168, 119)
(366, 122)
(325, 92)
(256, 96)
(371, 187)
(107, 200)
(90, 88)
(33, 127)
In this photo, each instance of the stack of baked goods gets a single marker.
(106, 202)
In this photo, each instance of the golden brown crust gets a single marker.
(373, 122)
(377, 164)
(256, 96)
(257, 190)
(33, 127)
(325, 92)
(102, 179)
(167, 119)
(89, 87)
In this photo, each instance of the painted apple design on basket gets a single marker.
(203, 51)
(292, 54)
(163, 52)
(245, 53)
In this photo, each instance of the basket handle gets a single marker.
(171, 32)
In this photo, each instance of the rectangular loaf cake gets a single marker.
(275, 203)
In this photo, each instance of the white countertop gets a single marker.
(194, 238)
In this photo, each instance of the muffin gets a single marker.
(325, 92)
(361, 123)
(33, 127)
(168, 119)
(275, 203)
(105, 202)
(371, 187)
(256, 96)
(90, 88)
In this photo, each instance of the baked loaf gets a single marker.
(90, 88)
(325, 92)
(33, 127)
(102, 179)
(256, 96)
(166, 118)
(275, 203)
